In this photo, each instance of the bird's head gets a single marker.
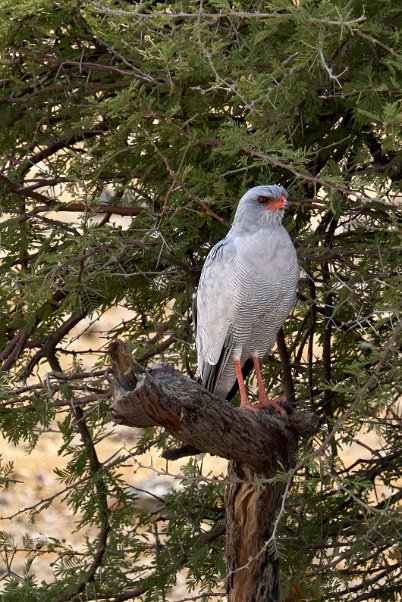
(260, 206)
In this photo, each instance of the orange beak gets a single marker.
(278, 203)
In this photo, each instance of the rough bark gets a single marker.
(257, 445)
(251, 509)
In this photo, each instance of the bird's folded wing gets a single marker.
(213, 310)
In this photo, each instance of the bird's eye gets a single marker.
(263, 199)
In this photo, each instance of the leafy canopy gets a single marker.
(166, 114)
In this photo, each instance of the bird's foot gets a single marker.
(274, 403)
(265, 403)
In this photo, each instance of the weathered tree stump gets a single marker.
(257, 445)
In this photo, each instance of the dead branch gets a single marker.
(164, 397)
(257, 444)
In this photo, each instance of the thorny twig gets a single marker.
(219, 15)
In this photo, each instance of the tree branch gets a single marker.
(200, 14)
(285, 364)
(52, 340)
(374, 41)
(54, 204)
(163, 397)
(95, 469)
(56, 145)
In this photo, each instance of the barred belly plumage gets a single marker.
(260, 308)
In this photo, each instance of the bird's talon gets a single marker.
(269, 403)
(273, 403)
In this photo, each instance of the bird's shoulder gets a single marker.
(213, 301)
(219, 259)
(218, 251)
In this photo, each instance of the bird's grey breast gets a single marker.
(267, 254)
(266, 275)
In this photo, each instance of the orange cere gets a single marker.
(278, 203)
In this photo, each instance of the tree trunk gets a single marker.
(251, 510)
(257, 445)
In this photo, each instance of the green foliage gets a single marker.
(178, 115)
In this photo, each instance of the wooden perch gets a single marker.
(164, 397)
(257, 445)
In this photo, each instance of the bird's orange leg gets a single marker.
(242, 387)
(262, 394)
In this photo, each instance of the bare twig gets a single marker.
(181, 184)
(328, 69)
(373, 40)
(218, 15)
